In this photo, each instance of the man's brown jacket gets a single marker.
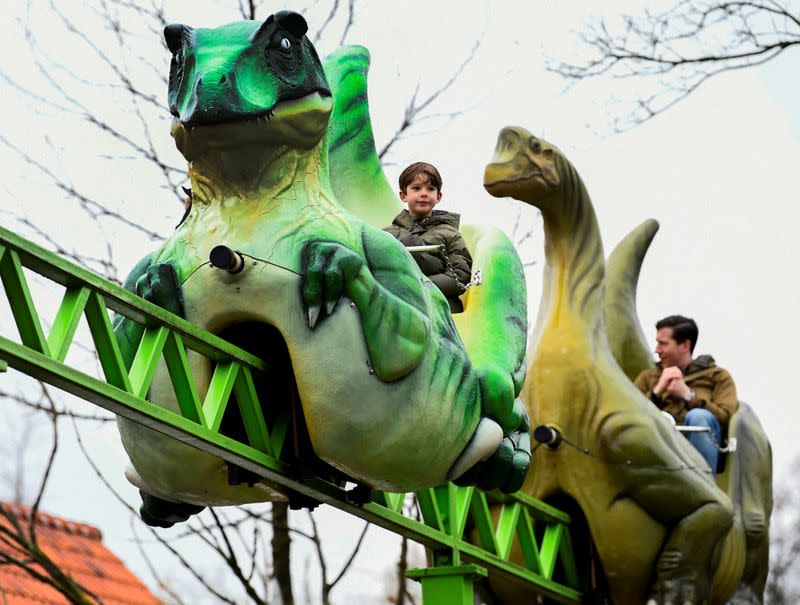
(713, 387)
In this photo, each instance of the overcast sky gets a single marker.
(716, 172)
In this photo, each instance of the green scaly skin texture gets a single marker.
(251, 105)
(359, 182)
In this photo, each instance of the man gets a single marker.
(694, 391)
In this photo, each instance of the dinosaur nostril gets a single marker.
(223, 79)
(200, 83)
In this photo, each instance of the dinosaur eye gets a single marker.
(285, 58)
(535, 146)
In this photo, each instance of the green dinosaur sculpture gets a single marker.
(663, 531)
(392, 393)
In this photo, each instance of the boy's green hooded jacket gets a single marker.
(439, 228)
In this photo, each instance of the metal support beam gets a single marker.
(448, 585)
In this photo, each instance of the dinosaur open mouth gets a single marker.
(317, 101)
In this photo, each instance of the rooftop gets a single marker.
(77, 549)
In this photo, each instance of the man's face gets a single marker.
(421, 196)
(669, 352)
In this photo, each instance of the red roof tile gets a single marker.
(77, 549)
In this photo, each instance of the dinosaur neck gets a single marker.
(575, 268)
(253, 173)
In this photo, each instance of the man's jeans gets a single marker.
(705, 442)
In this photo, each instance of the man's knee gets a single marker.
(700, 417)
(705, 442)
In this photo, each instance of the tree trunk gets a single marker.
(281, 543)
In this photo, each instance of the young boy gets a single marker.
(421, 225)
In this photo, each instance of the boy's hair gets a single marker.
(417, 168)
(683, 329)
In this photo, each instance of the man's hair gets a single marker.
(683, 329)
(417, 168)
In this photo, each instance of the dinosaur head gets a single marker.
(246, 83)
(523, 167)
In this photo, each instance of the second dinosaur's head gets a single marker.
(523, 167)
(246, 83)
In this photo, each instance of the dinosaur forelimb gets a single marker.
(395, 331)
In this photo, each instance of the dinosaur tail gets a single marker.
(357, 176)
(747, 479)
(625, 335)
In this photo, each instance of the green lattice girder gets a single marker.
(450, 515)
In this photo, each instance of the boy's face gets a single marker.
(421, 196)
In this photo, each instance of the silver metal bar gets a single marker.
(692, 429)
(429, 248)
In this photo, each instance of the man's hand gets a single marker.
(668, 375)
(678, 388)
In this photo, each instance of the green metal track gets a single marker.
(470, 534)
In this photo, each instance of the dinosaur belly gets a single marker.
(397, 436)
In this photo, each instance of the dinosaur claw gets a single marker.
(313, 315)
(484, 442)
(330, 306)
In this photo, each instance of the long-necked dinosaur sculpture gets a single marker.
(664, 532)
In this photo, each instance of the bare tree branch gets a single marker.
(783, 586)
(328, 586)
(233, 564)
(351, 558)
(351, 4)
(151, 567)
(247, 9)
(92, 207)
(49, 467)
(42, 407)
(680, 49)
(103, 56)
(21, 548)
(104, 266)
(162, 541)
(321, 29)
(414, 111)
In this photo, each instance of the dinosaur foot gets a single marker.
(158, 512)
(506, 467)
(159, 285)
(676, 591)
